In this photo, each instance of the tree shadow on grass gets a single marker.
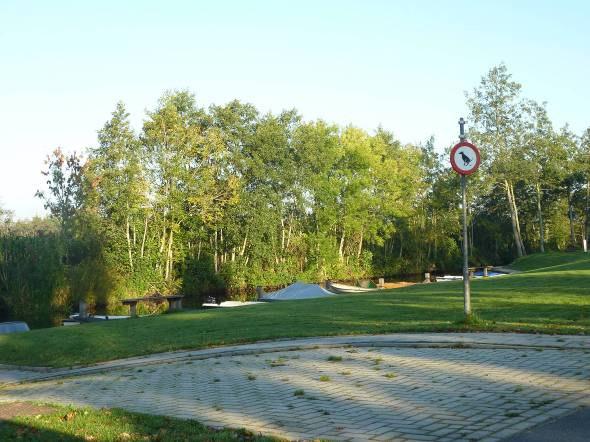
(11, 430)
(86, 424)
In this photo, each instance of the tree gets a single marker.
(65, 196)
(546, 157)
(5, 217)
(119, 183)
(498, 128)
(584, 159)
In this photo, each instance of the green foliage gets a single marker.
(217, 201)
(33, 283)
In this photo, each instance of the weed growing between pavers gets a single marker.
(299, 392)
(511, 414)
(334, 358)
(538, 404)
(324, 378)
(281, 361)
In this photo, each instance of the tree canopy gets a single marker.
(222, 199)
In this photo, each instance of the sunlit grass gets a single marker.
(551, 300)
(79, 424)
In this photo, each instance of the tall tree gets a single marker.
(119, 181)
(65, 192)
(498, 128)
(584, 159)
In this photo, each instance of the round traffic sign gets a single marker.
(465, 158)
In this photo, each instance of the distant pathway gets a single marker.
(472, 386)
(504, 269)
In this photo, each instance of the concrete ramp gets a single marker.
(298, 290)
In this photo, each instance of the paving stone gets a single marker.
(437, 394)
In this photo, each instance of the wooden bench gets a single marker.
(174, 302)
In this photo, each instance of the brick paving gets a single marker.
(381, 393)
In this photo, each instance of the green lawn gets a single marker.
(87, 424)
(552, 295)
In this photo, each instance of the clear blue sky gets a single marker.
(402, 64)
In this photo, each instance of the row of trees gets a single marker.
(539, 174)
(228, 198)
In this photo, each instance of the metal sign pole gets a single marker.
(466, 286)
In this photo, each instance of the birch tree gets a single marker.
(496, 114)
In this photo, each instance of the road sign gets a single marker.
(465, 158)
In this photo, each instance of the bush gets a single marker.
(33, 282)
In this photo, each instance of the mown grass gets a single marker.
(552, 295)
(87, 424)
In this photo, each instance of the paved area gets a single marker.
(10, 374)
(417, 389)
(574, 427)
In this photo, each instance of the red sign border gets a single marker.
(477, 158)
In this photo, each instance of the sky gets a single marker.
(404, 65)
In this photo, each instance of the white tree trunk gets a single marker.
(145, 229)
(129, 251)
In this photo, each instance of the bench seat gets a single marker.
(174, 302)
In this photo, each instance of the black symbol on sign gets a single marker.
(465, 158)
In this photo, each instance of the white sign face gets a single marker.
(465, 158)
